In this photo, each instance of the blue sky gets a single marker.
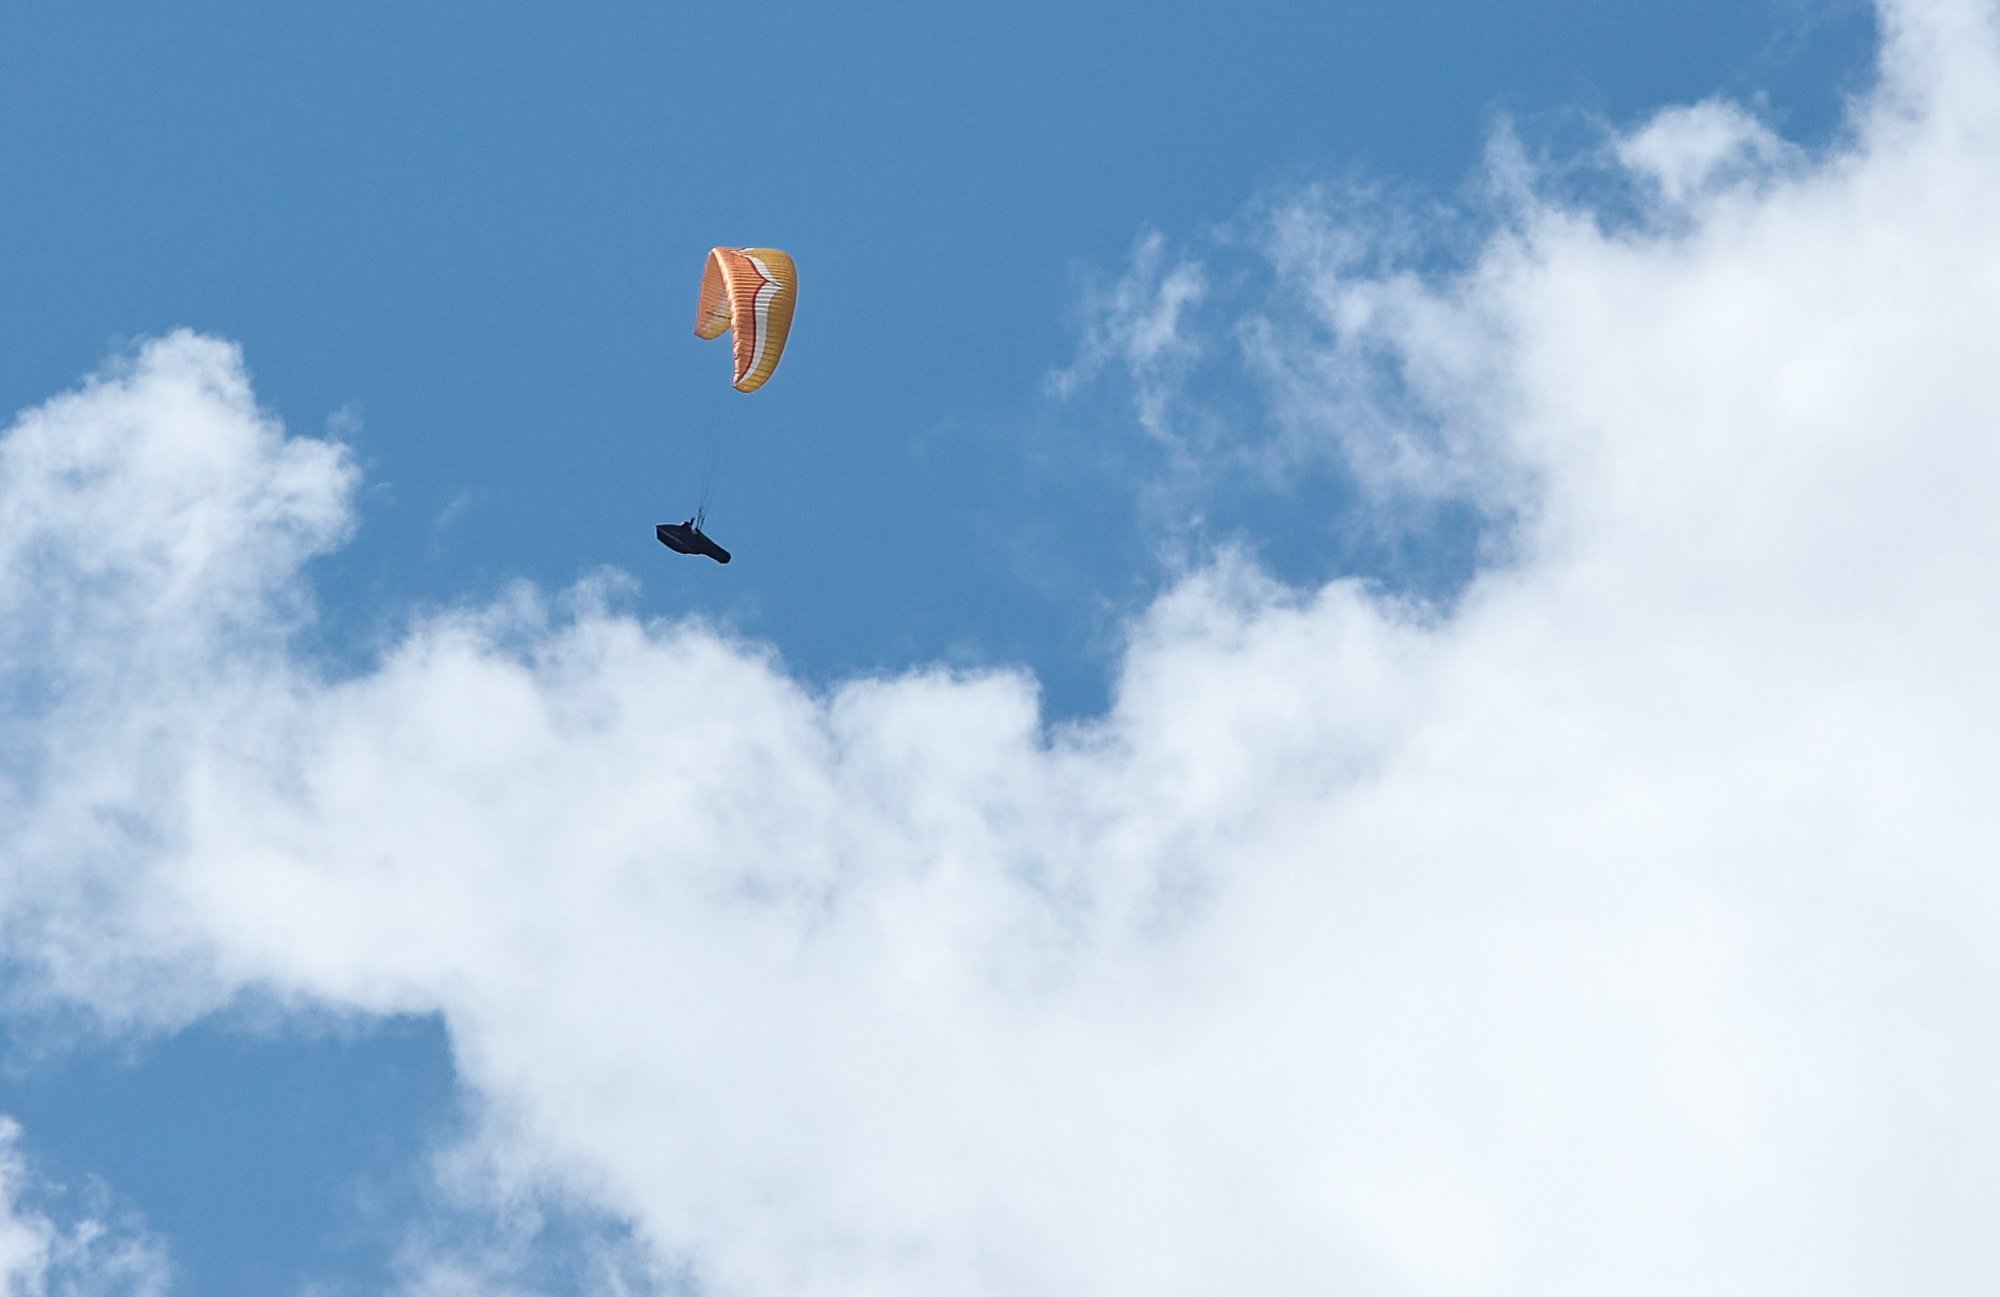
(464, 242)
(477, 229)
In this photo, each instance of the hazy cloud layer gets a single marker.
(1632, 928)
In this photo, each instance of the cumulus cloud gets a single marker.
(1629, 927)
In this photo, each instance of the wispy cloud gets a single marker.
(1689, 153)
(1137, 327)
(1631, 928)
(46, 1252)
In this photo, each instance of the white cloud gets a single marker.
(43, 1256)
(1138, 327)
(1631, 928)
(1687, 151)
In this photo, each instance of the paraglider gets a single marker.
(750, 292)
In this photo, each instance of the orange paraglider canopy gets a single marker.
(751, 291)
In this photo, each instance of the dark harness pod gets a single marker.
(686, 538)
